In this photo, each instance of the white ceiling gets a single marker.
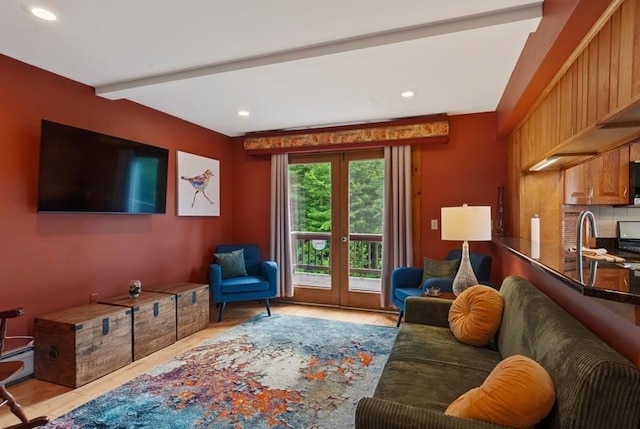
(290, 63)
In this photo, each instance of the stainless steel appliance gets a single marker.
(629, 236)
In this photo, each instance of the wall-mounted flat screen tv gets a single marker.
(82, 171)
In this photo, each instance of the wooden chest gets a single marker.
(81, 344)
(153, 320)
(192, 306)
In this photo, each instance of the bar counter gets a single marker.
(602, 280)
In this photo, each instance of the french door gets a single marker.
(336, 202)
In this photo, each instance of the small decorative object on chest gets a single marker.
(135, 287)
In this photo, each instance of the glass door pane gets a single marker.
(366, 199)
(310, 202)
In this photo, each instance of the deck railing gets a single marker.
(311, 253)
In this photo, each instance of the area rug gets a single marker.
(269, 372)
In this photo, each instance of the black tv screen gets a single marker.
(87, 172)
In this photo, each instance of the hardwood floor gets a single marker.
(43, 398)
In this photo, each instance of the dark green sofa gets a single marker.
(596, 387)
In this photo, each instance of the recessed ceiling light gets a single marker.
(42, 13)
(407, 94)
(243, 113)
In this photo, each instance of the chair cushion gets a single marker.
(517, 393)
(439, 269)
(243, 285)
(475, 315)
(232, 263)
(402, 293)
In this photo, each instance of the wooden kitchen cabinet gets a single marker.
(577, 189)
(603, 180)
(634, 152)
(613, 279)
(611, 176)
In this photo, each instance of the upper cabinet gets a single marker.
(578, 188)
(590, 108)
(634, 152)
(601, 180)
(593, 104)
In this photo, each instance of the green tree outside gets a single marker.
(310, 202)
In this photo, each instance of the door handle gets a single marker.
(344, 238)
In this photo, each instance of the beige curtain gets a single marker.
(397, 242)
(280, 225)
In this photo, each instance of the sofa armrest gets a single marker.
(428, 311)
(373, 413)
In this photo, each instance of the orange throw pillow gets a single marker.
(517, 393)
(475, 315)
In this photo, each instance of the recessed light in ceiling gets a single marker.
(43, 13)
(243, 113)
(408, 94)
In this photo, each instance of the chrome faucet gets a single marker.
(585, 214)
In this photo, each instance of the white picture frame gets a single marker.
(198, 187)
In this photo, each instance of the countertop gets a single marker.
(601, 279)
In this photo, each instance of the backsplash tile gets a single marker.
(608, 216)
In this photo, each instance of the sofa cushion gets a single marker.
(423, 354)
(518, 393)
(475, 315)
(232, 263)
(431, 344)
(426, 385)
(434, 269)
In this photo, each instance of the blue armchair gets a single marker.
(405, 281)
(259, 283)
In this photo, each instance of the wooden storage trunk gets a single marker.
(81, 344)
(154, 320)
(192, 306)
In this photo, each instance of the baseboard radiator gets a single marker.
(25, 355)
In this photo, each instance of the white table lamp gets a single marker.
(466, 223)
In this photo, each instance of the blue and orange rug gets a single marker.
(269, 372)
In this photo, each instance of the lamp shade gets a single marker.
(466, 223)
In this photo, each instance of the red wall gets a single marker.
(251, 197)
(49, 262)
(468, 169)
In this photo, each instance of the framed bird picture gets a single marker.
(198, 185)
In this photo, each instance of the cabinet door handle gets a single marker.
(626, 192)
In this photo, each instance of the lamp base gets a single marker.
(465, 276)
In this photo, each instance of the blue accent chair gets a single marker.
(405, 281)
(259, 283)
